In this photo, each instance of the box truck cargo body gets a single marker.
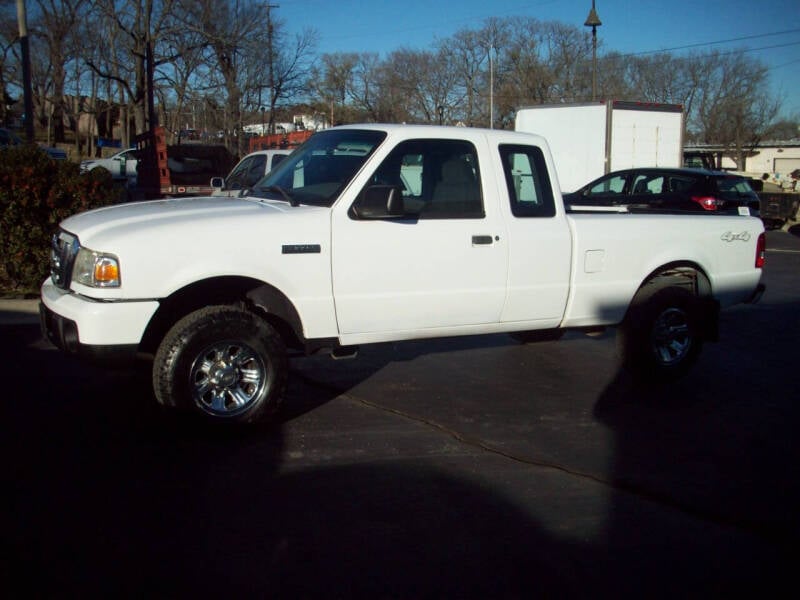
(591, 139)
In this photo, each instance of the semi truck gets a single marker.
(591, 139)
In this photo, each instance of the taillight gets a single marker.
(707, 202)
(761, 251)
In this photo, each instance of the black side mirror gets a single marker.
(379, 202)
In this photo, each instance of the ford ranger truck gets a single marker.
(377, 233)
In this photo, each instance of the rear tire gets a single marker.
(223, 363)
(661, 336)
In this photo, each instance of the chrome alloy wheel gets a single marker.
(671, 337)
(227, 377)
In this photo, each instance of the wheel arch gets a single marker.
(262, 298)
(685, 274)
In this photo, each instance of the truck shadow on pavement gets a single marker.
(716, 447)
(107, 495)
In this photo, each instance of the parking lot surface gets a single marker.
(468, 467)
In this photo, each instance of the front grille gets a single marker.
(63, 250)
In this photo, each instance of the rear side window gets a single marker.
(679, 184)
(734, 187)
(528, 182)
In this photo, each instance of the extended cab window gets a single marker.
(529, 189)
(439, 178)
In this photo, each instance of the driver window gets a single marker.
(439, 179)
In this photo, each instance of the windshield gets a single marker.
(321, 168)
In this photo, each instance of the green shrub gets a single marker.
(36, 194)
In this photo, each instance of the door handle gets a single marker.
(482, 240)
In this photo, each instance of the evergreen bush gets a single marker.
(36, 194)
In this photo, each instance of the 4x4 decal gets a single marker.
(729, 236)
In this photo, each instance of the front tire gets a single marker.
(661, 336)
(224, 363)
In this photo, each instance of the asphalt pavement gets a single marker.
(471, 467)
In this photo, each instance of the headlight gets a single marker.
(96, 269)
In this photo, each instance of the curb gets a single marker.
(19, 312)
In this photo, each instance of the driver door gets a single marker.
(444, 264)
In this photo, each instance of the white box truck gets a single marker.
(591, 139)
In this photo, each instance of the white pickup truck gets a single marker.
(379, 233)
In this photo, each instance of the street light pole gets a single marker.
(593, 21)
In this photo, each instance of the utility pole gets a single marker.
(152, 117)
(271, 66)
(27, 88)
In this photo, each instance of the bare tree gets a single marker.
(395, 86)
(569, 60)
(226, 61)
(525, 76)
(734, 108)
(365, 86)
(291, 58)
(140, 25)
(433, 92)
(56, 25)
(661, 78)
(467, 56)
(177, 81)
(413, 84)
(614, 77)
(783, 130)
(334, 81)
(250, 56)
